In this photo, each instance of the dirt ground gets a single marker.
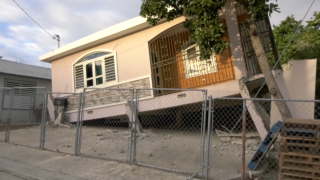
(174, 150)
(2, 133)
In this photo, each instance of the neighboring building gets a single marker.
(27, 102)
(133, 54)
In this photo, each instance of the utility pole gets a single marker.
(57, 37)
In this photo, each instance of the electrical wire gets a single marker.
(191, 177)
(271, 71)
(265, 81)
(285, 49)
(54, 37)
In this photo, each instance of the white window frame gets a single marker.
(202, 66)
(84, 63)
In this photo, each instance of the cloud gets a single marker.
(9, 42)
(32, 46)
(21, 38)
(71, 19)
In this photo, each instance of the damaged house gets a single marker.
(133, 54)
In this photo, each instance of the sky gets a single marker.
(22, 40)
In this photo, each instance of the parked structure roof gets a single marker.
(14, 68)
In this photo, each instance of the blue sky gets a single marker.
(23, 41)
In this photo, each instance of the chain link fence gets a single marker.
(169, 129)
(25, 110)
(182, 131)
(60, 126)
(106, 123)
(250, 139)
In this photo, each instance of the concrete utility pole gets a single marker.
(57, 37)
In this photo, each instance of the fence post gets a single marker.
(203, 129)
(244, 141)
(130, 125)
(211, 110)
(77, 138)
(9, 116)
(135, 105)
(81, 121)
(43, 121)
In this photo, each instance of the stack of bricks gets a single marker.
(300, 150)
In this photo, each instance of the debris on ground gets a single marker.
(236, 141)
(225, 139)
(152, 145)
(248, 134)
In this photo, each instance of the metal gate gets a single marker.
(224, 156)
(106, 119)
(60, 134)
(25, 109)
(169, 130)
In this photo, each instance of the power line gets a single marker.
(285, 49)
(278, 59)
(265, 79)
(271, 70)
(54, 37)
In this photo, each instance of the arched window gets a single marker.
(95, 69)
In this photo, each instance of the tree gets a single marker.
(305, 44)
(207, 29)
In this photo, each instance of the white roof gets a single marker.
(14, 68)
(105, 35)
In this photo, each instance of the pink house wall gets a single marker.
(132, 57)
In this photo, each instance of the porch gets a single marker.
(176, 63)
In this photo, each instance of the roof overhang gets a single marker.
(103, 36)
